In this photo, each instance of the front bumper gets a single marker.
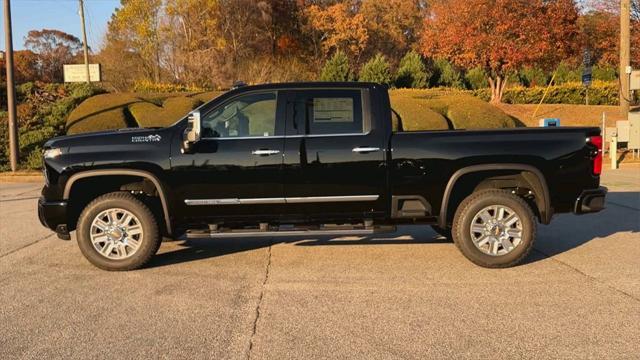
(53, 215)
(590, 201)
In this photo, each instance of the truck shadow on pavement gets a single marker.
(566, 232)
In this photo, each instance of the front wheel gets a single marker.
(118, 232)
(494, 228)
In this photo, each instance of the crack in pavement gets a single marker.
(592, 278)
(19, 199)
(258, 306)
(27, 245)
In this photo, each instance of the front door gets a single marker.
(235, 170)
(334, 162)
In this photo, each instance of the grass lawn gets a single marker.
(569, 115)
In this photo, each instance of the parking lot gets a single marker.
(410, 294)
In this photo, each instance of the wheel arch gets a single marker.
(162, 194)
(531, 175)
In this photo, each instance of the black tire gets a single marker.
(473, 205)
(149, 242)
(444, 232)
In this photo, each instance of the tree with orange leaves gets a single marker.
(338, 27)
(501, 36)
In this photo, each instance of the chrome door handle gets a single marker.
(265, 152)
(365, 149)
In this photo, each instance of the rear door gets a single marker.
(334, 163)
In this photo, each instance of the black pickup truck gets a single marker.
(305, 159)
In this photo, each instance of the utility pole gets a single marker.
(84, 42)
(625, 56)
(11, 90)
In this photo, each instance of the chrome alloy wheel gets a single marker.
(496, 230)
(116, 233)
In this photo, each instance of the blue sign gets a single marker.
(550, 122)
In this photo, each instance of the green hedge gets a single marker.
(42, 111)
(600, 93)
(444, 108)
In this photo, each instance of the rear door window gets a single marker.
(326, 112)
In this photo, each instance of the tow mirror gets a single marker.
(192, 132)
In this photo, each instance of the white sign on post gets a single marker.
(78, 72)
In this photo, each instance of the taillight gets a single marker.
(597, 159)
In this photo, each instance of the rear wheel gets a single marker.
(118, 232)
(494, 228)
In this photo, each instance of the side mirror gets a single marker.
(192, 132)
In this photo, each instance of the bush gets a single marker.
(565, 73)
(42, 112)
(532, 76)
(446, 75)
(438, 109)
(476, 78)
(412, 72)
(102, 112)
(604, 73)
(376, 70)
(146, 86)
(150, 115)
(337, 68)
(600, 93)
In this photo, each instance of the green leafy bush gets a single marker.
(412, 72)
(476, 78)
(533, 76)
(42, 111)
(600, 93)
(376, 70)
(146, 86)
(565, 74)
(337, 68)
(446, 75)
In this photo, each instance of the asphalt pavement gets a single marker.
(404, 295)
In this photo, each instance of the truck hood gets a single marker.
(109, 138)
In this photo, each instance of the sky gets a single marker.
(59, 14)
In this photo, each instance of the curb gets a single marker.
(21, 177)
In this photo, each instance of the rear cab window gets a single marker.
(328, 112)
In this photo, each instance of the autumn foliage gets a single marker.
(501, 36)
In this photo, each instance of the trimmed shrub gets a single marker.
(102, 112)
(205, 97)
(446, 75)
(600, 93)
(337, 68)
(412, 72)
(443, 109)
(150, 115)
(476, 78)
(415, 114)
(376, 70)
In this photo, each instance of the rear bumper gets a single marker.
(590, 201)
(53, 215)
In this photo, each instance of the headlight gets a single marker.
(52, 153)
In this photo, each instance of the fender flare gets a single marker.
(127, 172)
(544, 202)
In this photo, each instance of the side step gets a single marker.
(290, 231)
